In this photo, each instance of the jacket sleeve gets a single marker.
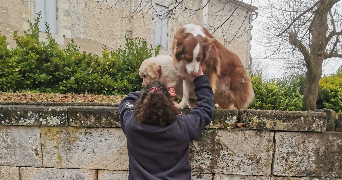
(195, 121)
(126, 108)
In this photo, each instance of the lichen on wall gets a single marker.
(95, 146)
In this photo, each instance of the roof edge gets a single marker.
(244, 5)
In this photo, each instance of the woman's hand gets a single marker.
(194, 75)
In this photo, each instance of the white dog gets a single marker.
(161, 68)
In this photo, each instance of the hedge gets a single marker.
(44, 67)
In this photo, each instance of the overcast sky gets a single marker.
(274, 68)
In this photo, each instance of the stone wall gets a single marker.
(85, 141)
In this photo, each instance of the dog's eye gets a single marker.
(144, 76)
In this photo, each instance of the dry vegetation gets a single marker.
(26, 97)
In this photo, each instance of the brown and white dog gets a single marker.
(161, 68)
(194, 46)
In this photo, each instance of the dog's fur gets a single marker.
(194, 46)
(169, 76)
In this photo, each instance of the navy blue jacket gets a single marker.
(157, 153)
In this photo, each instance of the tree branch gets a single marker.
(332, 34)
(225, 20)
(238, 29)
(334, 46)
(200, 7)
(332, 20)
(295, 42)
(334, 54)
(295, 19)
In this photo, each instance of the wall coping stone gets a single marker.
(94, 115)
(60, 104)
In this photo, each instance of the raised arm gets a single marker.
(126, 108)
(195, 121)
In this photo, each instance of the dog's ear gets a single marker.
(207, 43)
(180, 39)
(152, 70)
(179, 52)
(211, 40)
(208, 40)
(180, 45)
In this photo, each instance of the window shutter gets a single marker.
(160, 36)
(158, 26)
(39, 6)
(48, 10)
(51, 15)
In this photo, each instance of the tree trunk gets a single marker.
(313, 76)
(318, 29)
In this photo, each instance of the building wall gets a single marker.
(14, 15)
(95, 23)
(75, 141)
(235, 33)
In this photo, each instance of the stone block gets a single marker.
(331, 119)
(224, 119)
(201, 176)
(30, 173)
(109, 175)
(232, 152)
(284, 120)
(20, 146)
(339, 123)
(123, 175)
(308, 154)
(7, 172)
(96, 116)
(304, 178)
(33, 115)
(87, 148)
(238, 177)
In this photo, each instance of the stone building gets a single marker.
(95, 23)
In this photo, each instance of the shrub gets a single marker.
(43, 67)
(9, 75)
(330, 92)
(34, 60)
(127, 62)
(282, 94)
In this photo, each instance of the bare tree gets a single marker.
(314, 29)
(224, 12)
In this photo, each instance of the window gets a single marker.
(48, 10)
(160, 34)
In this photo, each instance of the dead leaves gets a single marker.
(58, 98)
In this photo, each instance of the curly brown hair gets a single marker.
(155, 107)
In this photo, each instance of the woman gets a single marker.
(157, 139)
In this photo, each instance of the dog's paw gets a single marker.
(180, 106)
(240, 125)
